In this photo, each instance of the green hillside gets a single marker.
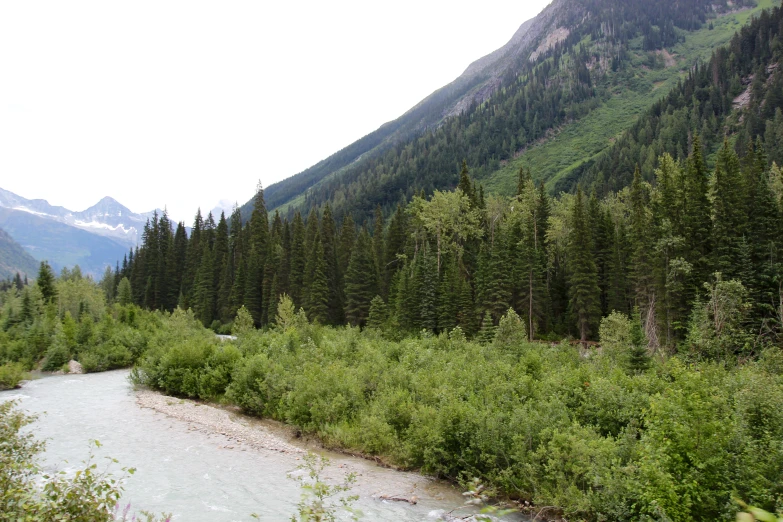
(14, 258)
(630, 95)
(579, 76)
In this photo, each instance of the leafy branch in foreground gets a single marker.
(90, 495)
(752, 514)
(321, 500)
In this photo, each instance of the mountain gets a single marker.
(14, 258)
(559, 94)
(61, 244)
(106, 218)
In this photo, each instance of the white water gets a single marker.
(189, 473)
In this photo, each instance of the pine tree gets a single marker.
(252, 290)
(377, 251)
(297, 261)
(237, 298)
(488, 329)
(378, 313)
(696, 219)
(638, 357)
(177, 265)
(124, 292)
(494, 268)
(426, 284)
(347, 240)
(318, 289)
(583, 276)
(204, 291)
(730, 220)
(466, 185)
(45, 282)
(329, 242)
(396, 237)
(258, 244)
(449, 295)
(222, 266)
(360, 283)
(642, 241)
(193, 258)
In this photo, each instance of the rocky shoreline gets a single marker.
(213, 420)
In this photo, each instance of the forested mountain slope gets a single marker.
(13, 258)
(580, 70)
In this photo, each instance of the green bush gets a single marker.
(11, 374)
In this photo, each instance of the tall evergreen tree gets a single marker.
(331, 264)
(318, 289)
(730, 219)
(583, 276)
(696, 219)
(297, 261)
(360, 283)
(45, 282)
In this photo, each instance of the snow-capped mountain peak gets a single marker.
(108, 217)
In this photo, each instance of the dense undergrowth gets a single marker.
(541, 422)
(613, 434)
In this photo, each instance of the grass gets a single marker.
(582, 140)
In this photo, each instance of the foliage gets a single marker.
(321, 501)
(537, 422)
(11, 375)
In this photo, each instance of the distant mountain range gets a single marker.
(107, 218)
(94, 238)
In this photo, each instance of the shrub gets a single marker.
(11, 374)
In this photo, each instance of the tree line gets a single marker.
(462, 259)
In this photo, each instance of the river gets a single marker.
(198, 475)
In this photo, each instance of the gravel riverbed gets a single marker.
(212, 420)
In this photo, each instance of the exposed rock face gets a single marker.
(75, 367)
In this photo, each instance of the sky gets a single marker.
(182, 104)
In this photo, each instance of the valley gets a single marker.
(555, 284)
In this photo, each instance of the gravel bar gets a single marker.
(213, 420)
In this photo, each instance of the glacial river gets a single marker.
(198, 476)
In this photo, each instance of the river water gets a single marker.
(191, 473)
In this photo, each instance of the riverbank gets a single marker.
(189, 456)
(213, 420)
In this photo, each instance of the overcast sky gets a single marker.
(185, 103)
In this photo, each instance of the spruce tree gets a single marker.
(696, 219)
(330, 245)
(193, 258)
(426, 284)
(642, 243)
(730, 220)
(252, 290)
(488, 329)
(237, 299)
(583, 276)
(378, 313)
(347, 240)
(360, 283)
(258, 240)
(297, 261)
(318, 289)
(449, 295)
(377, 251)
(45, 282)
(638, 357)
(396, 237)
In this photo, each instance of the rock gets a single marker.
(75, 367)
